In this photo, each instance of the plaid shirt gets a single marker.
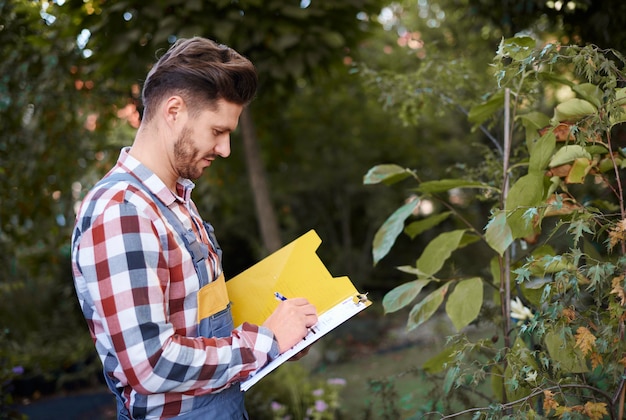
(137, 286)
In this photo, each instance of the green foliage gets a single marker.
(9, 370)
(291, 393)
(47, 144)
(557, 237)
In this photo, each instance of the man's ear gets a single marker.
(174, 109)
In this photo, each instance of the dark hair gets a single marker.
(201, 72)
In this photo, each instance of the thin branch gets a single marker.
(486, 132)
(533, 394)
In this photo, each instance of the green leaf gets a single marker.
(416, 228)
(448, 184)
(573, 110)
(579, 170)
(620, 98)
(519, 356)
(518, 48)
(438, 363)
(438, 251)
(481, 112)
(450, 378)
(541, 152)
(465, 301)
(596, 149)
(388, 173)
(422, 311)
(565, 353)
(498, 233)
(409, 269)
(533, 122)
(567, 154)
(386, 235)
(527, 192)
(468, 239)
(403, 295)
(589, 92)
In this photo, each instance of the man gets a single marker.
(141, 252)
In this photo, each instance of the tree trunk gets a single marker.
(268, 224)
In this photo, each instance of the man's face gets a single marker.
(204, 138)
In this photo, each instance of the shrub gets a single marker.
(551, 277)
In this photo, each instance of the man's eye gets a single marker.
(217, 133)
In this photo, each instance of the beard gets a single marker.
(186, 156)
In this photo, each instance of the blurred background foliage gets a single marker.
(335, 79)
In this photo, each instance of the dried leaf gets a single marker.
(585, 340)
(569, 314)
(549, 402)
(617, 233)
(596, 360)
(595, 411)
(618, 289)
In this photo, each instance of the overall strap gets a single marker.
(199, 251)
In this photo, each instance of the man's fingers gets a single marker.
(311, 320)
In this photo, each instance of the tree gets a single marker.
(285, 42)
(47, 140)
(581, 21)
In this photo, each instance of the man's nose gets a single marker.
(223, 147)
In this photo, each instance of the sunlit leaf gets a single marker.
(578, 171)
(567, 154)
(386, 235)
(388, 174)
(463, 305)
(403, 295)
(422, 311)
(409, 269)
(498, 233)
(573, 110)
(438, 251)
(589, 92)
(518, 48)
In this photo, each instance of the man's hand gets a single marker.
(290, 322)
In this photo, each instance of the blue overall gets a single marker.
(229, 403)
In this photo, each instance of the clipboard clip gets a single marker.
(360, 298)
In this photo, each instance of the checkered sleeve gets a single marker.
(122, 260)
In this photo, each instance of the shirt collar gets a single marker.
(127, 163)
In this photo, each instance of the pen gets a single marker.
(279, 296)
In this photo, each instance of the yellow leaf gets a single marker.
(622, 361)
(617, 233)
(596, 359)
(618, 289)
(585, 340)
(549, 403)
(595, 411)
